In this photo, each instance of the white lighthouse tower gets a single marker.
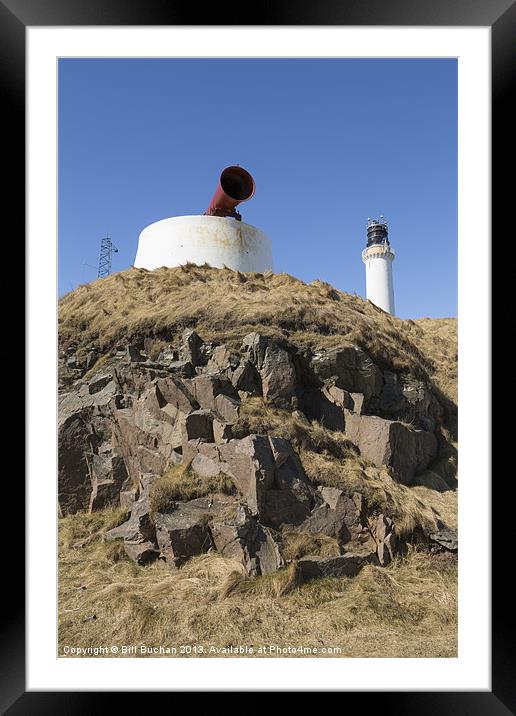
(378, 257)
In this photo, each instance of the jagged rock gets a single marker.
(345, 565)
(198, 424)
(133, 355)
(182, 367)
(283, 508)
(108, 478)
(344, 399)
(243, 538)
(206, 461)
(340, 397)
(128, 498)
(99, 392)
(185, 532)
(222, 360)
(318, 406)
(445, 537)
(358, 402)
(91, 359)
(288, 471)
(176, 393)
(208, 388)
(406, 398)
(341, 516)
(350, 368)
(250, 464)
(382, 530)
(386, 442)
(169, 355)
(221, 431)
(350, 508)
(246, 378)
(81, 433)
(275, 366)
(139, 528)
(191, 348)
(227, 408)
(141, 552)
(98, 383)
(147, 443)
(74, 484)
(291, 497)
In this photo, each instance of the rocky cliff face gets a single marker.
(130, 427)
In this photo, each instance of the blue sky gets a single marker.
(330, 142)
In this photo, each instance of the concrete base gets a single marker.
(214, 240)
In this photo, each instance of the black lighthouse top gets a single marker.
(377, 232)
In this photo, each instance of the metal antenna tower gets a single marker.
(106, 251)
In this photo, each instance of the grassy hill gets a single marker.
(226, 305)
(405, 609)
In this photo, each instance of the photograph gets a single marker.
(257, 357)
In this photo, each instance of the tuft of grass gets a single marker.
(299, 544)
(180, 484)
(75, 529)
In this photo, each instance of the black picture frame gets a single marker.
(500, 15)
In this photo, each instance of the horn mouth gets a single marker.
(237, 183)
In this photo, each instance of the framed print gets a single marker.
(270, 402)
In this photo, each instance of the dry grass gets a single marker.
(437, 337)
(225, 305)
(299, 544)
(410, 507)
(257, 417)
(408, 609)
(180, 483)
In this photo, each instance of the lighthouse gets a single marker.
(218, 237)
(378, 257)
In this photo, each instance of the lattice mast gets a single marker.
(107, 249)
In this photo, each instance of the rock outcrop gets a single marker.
(124, 427)
(386, 442)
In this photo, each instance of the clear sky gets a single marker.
(330, 142)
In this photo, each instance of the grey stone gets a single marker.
(318, 406)
(246, 378)
(108, 478)
(385, 442)
(185, 532)
(275, 366)
(382, 530)
(191, 348)
(133, 354)
(445, 537)
(250, 464)
(244, 539)
(141, 552)
(350, 368)
(198, 424)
